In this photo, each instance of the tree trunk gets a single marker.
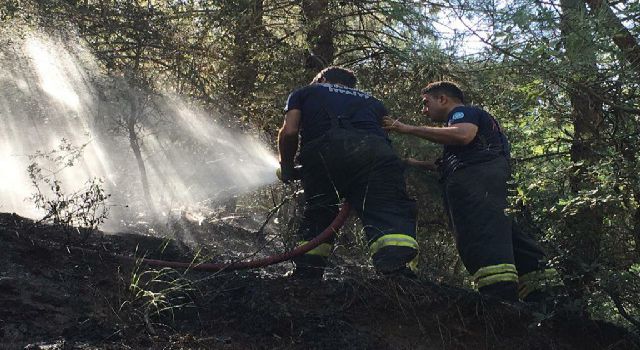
(621, 36)
(584, 226)
(135, 147)
(242, 78)
(629, 153)
(320, 33)
(133, 118)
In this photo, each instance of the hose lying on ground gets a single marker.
(270, 260)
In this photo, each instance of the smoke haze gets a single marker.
(53, 92)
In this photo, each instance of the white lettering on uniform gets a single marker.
(349, 92)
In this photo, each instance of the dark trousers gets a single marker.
(363, 169)
(476, 199)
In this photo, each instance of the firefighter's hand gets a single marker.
(391, 124)
(412, 162)
(421, 164)
(286, 173)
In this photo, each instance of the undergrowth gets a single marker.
(81, 211)
(150, 298)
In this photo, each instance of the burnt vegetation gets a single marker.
(561, 76)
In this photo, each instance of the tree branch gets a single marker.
(622, 37)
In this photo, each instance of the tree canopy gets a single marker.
(562, 77)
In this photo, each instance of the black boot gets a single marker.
(507, 291)
(393, 259)
(309, 267)
(402, 273)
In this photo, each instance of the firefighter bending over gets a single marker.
(474, 172)
(344, 153)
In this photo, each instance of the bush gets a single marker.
(81, 211)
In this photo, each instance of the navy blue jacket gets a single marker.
(316, 100)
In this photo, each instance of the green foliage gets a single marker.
(151, 297)
(8, 9)
(537, 71)
(583, 204)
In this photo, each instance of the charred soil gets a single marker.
(61, 293)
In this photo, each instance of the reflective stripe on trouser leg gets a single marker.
(323, 250)
(398, 240)
(538, 280)
(488, 275)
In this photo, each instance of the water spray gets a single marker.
(55, 90)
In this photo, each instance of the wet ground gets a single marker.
(59, 292)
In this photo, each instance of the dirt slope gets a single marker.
(54, 295)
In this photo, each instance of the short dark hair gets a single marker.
(444, 88)
(337, 75)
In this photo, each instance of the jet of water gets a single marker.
(135, 140)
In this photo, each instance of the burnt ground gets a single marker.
(58, 292)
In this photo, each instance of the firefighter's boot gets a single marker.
(309, 267)
(395, 260)
(507, 291)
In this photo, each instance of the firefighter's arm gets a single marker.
(288, 136)
(456, 134)
(288, 143)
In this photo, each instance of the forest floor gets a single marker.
(57, 294)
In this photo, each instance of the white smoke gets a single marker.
(53, 91)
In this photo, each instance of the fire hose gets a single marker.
(270, 260)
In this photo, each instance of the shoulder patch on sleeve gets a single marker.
(457, 115)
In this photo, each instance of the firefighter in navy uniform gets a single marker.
(474, 172)
(345, 154)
